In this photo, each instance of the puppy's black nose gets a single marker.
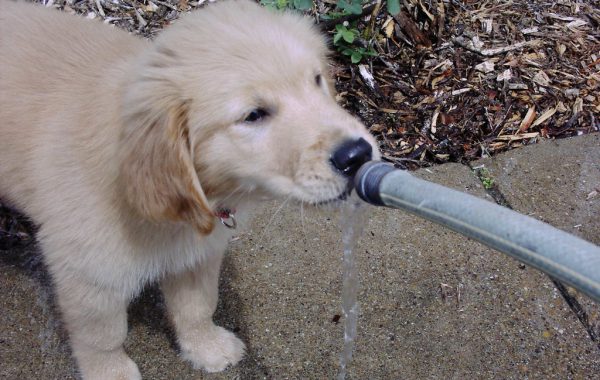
(350, 155)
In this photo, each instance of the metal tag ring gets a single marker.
(232, 225)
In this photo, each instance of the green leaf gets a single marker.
(356, 57)
(303, 4)
(370, 52)
(353, 7)
(393, 7)
(348, 51)
(348, 36)
(336, 38)
(332, 15)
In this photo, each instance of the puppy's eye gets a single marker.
(318, 80)
(256, 115)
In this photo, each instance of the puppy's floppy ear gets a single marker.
(157, 168)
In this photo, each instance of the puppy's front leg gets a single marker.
(191, 299)
(96, 319)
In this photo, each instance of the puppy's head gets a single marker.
(236, 99)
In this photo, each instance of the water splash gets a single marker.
(353, 219)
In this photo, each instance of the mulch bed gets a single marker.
(452, 81)
(457, 81)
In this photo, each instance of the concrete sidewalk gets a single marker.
(433, 303)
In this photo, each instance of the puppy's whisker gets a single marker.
(302, 217)
(233, 192)
(263, 233)
(277, 212)
(243, 194)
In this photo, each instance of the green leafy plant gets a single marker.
(342, 32)
(393, 7)
(301, 5)
(344, 40)
(486, 178)
(352, 7)
(357, 53)
(347, 38)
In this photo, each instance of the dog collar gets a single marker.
(227, 217)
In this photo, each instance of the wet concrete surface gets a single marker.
(433, 303)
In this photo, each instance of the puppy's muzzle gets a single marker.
(349, 156)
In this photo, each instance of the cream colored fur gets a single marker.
(120, 149)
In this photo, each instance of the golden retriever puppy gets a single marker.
(127, 153)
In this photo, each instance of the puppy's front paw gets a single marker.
(212, 349)
(106, 365)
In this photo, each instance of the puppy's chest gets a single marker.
(179, 247)
(186, 249)
(188, 246)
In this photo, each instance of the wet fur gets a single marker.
(120, 149)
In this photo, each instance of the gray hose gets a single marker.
(559, 254)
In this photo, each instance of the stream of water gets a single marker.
(353, 220)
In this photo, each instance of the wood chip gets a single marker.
(469, 45)
(367, 76)
(535, 29)
(424, 9)
(578, 106)
(150, 8)
(517, 86)
(388, 27)
(560, 17)
(572, 92)
(140, 18)
(541, 78)
(545, 116)
(518, 137)
(560, 107)
(100, 9)
(504, 76)
(527, 120)
(461, 91)
(412, 30)
(434, 119)
(487, 25)
(573, 25)
(485, 67)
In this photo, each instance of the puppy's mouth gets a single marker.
(338, 199)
